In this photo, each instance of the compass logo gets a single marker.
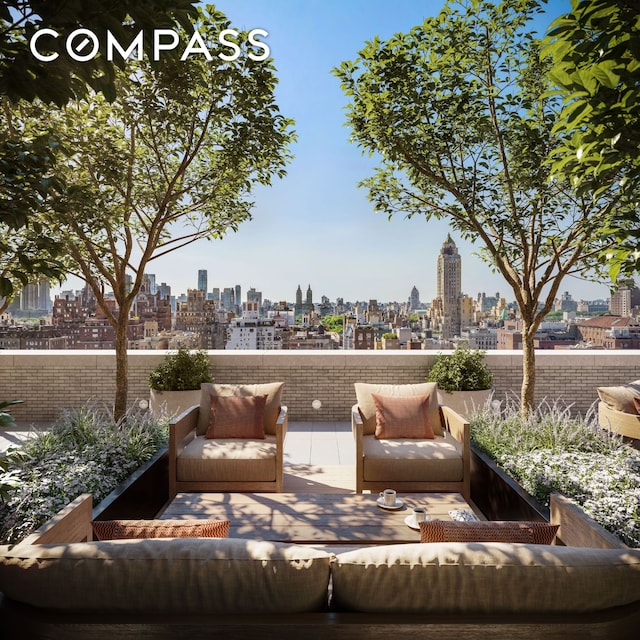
(83, 45)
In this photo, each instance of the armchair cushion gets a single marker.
(367, 407)
(236, 417)
(403, 417)
(228, 460)
(404, 460)
(272, 390)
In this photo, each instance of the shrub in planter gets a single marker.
(552, 451)
(463, 379)
(175, 382)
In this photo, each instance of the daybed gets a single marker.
(58, 584)
(619, 409)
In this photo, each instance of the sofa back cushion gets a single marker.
(367, 406)
(489, 577)
(173, 576)
(272, 390)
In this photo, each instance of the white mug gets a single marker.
(388, 497)
(420, 515)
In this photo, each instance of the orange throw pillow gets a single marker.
(121, 529)
(488, 531)
(403, 417)
(237, 417)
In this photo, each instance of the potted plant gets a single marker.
(464, 380)
(175, 382)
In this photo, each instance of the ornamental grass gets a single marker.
(551, 450)
(85, 451)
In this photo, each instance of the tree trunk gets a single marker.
(527, 392)
(122, 366)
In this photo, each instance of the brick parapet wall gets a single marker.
(51, 381)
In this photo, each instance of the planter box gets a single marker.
(464, 402)
(172, 403)
(498, 495)
(142, 495)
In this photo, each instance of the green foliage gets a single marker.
(6, 419)
(333, 323)
(86, 451)
(552, 451)
(22, 76)
(181, 371)
(595, 68)
(463, 370)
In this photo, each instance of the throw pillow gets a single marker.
(621, 398)
(403, 417)
(636, 405)
(120, 529)
(237, 417)
(367, 408)
(273, 391)
(488, 531)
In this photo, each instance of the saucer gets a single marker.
(410, 521)
(398, 505)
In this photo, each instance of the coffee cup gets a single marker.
(420, 515)
(388, 497)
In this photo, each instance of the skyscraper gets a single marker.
(449, 289)
(202, 280)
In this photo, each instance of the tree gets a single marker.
(170, 161)
(457, 109)
(29, 179)
(594, 51)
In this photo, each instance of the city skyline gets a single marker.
(315, 225)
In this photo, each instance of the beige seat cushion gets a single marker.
(273, 391)
(169, 576)
(454, 577)
(439, 459)
(227, 460)
(367, 407)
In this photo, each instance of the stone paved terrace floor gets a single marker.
(318, 456)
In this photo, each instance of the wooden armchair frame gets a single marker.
(182, 430)
(457, 426)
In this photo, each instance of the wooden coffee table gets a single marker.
(317, 518)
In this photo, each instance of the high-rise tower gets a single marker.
(202, 280)
(449, 288)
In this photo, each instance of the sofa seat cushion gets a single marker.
(491, 577)
(168, 575)
(227, 460)
(439, 459)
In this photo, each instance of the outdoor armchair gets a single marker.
(392, 453)
(232, 441)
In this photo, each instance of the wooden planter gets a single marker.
(498, 495)
(142, 495)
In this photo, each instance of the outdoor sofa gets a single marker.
(59, 583)
(619, 410)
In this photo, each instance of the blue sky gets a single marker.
(316, 226)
